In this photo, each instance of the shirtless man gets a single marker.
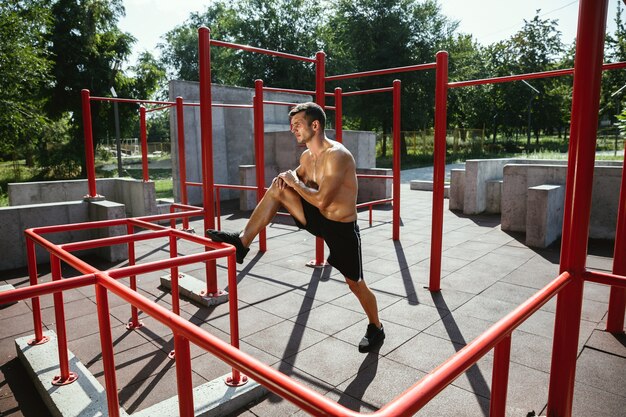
(321, 196)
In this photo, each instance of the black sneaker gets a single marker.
(373, 337)
(231, 238)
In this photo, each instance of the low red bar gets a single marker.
(381, 72)
(232, 106)
(388, 177)
(132, 100)
(159, 108)
(372, 91)
(236, 187)
(279, 103)
(606, 279)
(289, 90)
(37, 290)
(249, 48)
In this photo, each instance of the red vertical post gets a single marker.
(66, 377)
(584, 119)
(320, 98)
(134, 322)
(617, 297)
(206, 133)
(183, 376)
(174, 277)
(106, 344)
(500, 378)
(88, 132)
(396, 159)
(338, 115)
(259, 152)
(441, 109)
(32, 277)
(143, 134)
(236, 379)
(182, 167)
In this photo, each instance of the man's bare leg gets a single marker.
(367, 299)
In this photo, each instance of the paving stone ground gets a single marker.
(306, 323)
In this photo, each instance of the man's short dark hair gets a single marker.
(312, 112)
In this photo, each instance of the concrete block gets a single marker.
(192, 289)
(7, 287)
(84, 397)
(477, 173)
(544, 216)
(457, 189)
(494, 196)
(371, 189)
(513, 201)
(108, 210)
(213, 399)
(247, 176)
(425, 185)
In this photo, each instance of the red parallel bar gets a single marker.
(409, 402)
(134, 316)
(32, 278)
(194, 184)
(113, 240)
(183, 376)
(218, 211)
(132, 100)
(500, 377)
(382, 72)
(206, 129)
(289, 90)
(232, 106)
(236, 187)
(439, 170)
(71, 260)
(106, 345)
(144, 143)
(375, 202)
(329, 108)
(396, 158)
(618, 281)
(280, 103)
(320, 99)
(583, 129)
(338, 115)
(259, 153)
(374, 176)
(182, 164)
(528, 76)
(174, 276)
(249, 48)
(59, 317)
(159, 108)
(233, 312)
(372, 91)
(199, 239)
(89, 155)
(37, 290)
(617, 297)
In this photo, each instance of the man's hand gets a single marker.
(289, 177)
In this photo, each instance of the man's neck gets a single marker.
(317, 145)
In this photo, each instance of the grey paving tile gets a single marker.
(349, 301)
(454, 401)
(395, 335)
(486, 308)
(614, 344)
(468, 279)
(328, 318)
(605, 372)
(590, 401)
(432, 352)
(458, 328)
(251, 320)
(417, 317)
(285, 339)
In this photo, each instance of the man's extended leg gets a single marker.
(261, 216)
(375, 333)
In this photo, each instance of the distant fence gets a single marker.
(131, 146)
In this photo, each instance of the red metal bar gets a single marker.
(320, 99)
(396, 159)
(65, 377)
(338, 115)
(37, 290)
(206, 129)
(114, 240)
(234, 314)
(617, 297)
(441, 104)
(232, 106)
(289, 90)
(259, 153)
(585, 104)
(32, 278)
(106, 345)
(381, 72)
(134, 315)
(174, 277)
(194, 184)
(249, 48)
(372, 91)
(500, 377)
(183, 376)
(182, 164)
(218, 211)
(144, 143)
(617, 281)
(374, 176)
(237, 187)
(375, 202)
(89, 154)
(153, 109)
(528, 76)
(280, 103)
(132, 100)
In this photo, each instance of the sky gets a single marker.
(487, 20)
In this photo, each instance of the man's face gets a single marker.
(300, 128)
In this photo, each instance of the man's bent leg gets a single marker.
(375, 333)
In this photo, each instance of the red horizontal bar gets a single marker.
(330, 108)
(76, 263)
(249, 48)
(45, 288)
(375, 90)
(236, 187)
(159, 108)
(374, 176)
(374, 203)
(185, 206)
(289, 90)
(604, 278)
(231, 106)
(194, 184)
(113, 240)
(409, 402)
(280, 103)
(382, 72)
(130, 100)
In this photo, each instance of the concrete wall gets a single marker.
(138, 197)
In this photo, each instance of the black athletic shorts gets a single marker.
(343, 240)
